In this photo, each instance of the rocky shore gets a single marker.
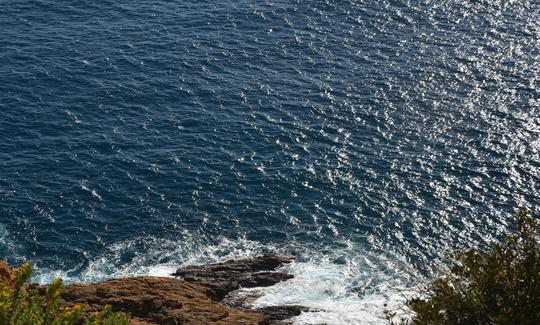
(197, 294)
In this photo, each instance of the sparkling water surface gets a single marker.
(368, 138)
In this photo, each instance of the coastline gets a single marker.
(197, 294)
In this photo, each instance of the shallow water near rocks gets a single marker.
(368, 138)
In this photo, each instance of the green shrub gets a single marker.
(501, 286)
(20, 305)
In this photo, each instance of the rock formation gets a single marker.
(6, 276)
(205, 294)
(158, 300)
(196, 298)
(225, 277)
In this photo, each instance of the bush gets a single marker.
(20, 305)
(501, 286)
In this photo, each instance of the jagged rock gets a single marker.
(242, 298)
(194, 300)
(274, 315)
(228, 276)
(157, 300)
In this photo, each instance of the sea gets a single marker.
(369, 139)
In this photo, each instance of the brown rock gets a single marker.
(156, 300)
(195, 300)
(6, 275)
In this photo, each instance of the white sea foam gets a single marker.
(335, 293)
(151, 256)
(91, 191)
(7, 246)
(341, 286)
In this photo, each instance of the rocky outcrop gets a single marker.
(196, 298)
(275, 315)
(228, 276)
(205, 294)
(158, 300)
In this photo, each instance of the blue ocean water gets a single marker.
(368, 138)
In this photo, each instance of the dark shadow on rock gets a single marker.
(274, 315)
(157, 300)
(196, 298)
(228, 276)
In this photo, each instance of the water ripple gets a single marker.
(396, 130)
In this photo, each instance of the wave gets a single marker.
(343, 286)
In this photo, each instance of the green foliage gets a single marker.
(22, 306)
(501, 286)
(107, 317)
